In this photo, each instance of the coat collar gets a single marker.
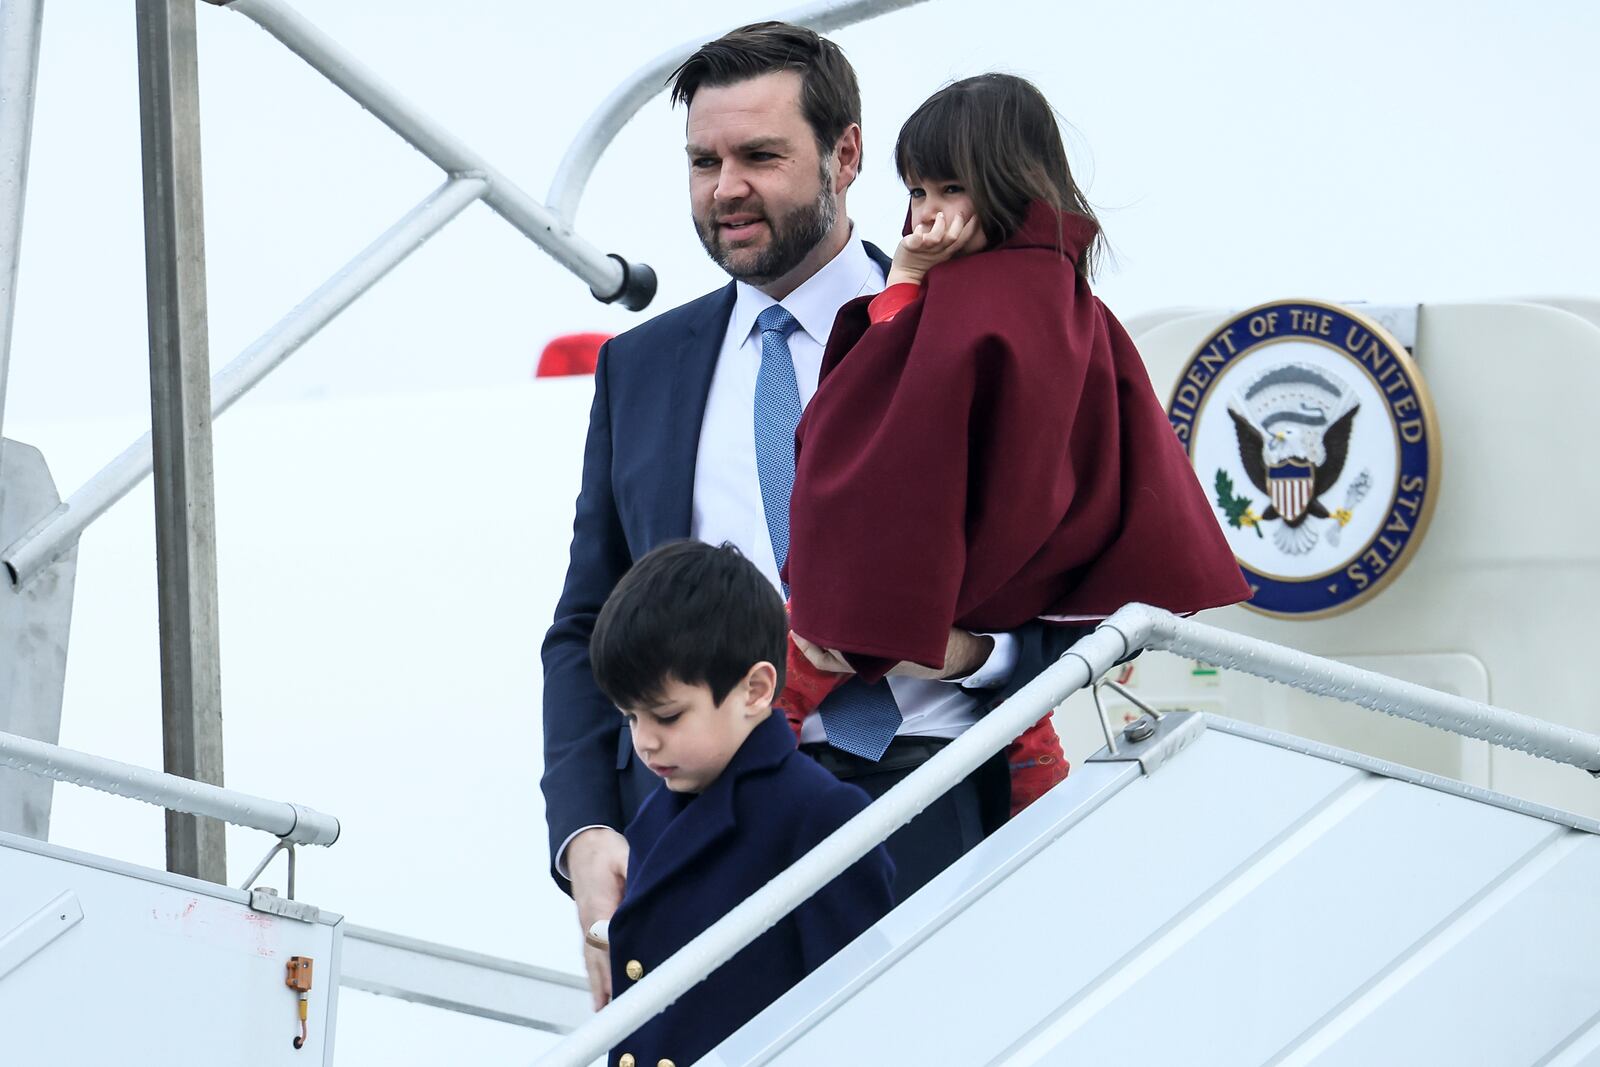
(675, 843)
(1045, 227)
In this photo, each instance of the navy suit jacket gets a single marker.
(693, 858)
(650, 389)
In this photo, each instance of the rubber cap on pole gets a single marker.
(638, 286)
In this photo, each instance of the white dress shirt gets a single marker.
(727, 489)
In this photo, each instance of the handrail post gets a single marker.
(180, 405)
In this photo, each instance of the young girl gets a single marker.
(985, 447)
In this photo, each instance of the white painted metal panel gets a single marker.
(1508, 983)
(1300, 928)
(160, 969)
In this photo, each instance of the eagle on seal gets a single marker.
(1294, 438)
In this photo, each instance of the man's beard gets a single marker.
(794, 237)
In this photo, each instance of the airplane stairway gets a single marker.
(1253, 899)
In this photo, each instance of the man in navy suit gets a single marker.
(690, 646)
(691, 413)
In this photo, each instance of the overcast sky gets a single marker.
(1238, 152)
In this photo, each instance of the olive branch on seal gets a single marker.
(1237, 508)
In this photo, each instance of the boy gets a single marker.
(690, 645)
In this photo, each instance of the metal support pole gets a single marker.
(20, 22)
(180, 406)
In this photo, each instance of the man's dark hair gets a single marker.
(830, 99)
(696, 613)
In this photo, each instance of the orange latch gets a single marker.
(299, 980)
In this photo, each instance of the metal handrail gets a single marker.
(609, 277)
(576, 167)
(1149, 628)
(27, 556)
(1134, 628)
(293, 823)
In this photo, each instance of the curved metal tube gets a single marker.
(602, 273)
(572, 175)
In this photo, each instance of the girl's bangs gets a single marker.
(927, 148)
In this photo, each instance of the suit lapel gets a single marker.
(692, 365)
(876, 255)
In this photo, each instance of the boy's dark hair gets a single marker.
(996, 134)
(830, 99)
(688, 611)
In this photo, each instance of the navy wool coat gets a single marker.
(694, 857)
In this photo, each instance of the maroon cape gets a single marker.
(992, 454)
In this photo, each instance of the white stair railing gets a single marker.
(1132, 629)
(294, 824)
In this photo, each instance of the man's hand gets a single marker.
(823, 659)
(926, 246)
(597, 859)
(963, 654)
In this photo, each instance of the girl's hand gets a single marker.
(926, 246)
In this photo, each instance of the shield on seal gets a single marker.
(1290, 485)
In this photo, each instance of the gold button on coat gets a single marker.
(625, 1060)
(635, 970)
(666, 1063)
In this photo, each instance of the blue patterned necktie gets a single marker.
(858, 718)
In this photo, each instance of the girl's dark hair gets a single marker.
(687, 611)
(829, 96)
(996, 134)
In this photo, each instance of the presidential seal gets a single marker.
(1310, 427)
